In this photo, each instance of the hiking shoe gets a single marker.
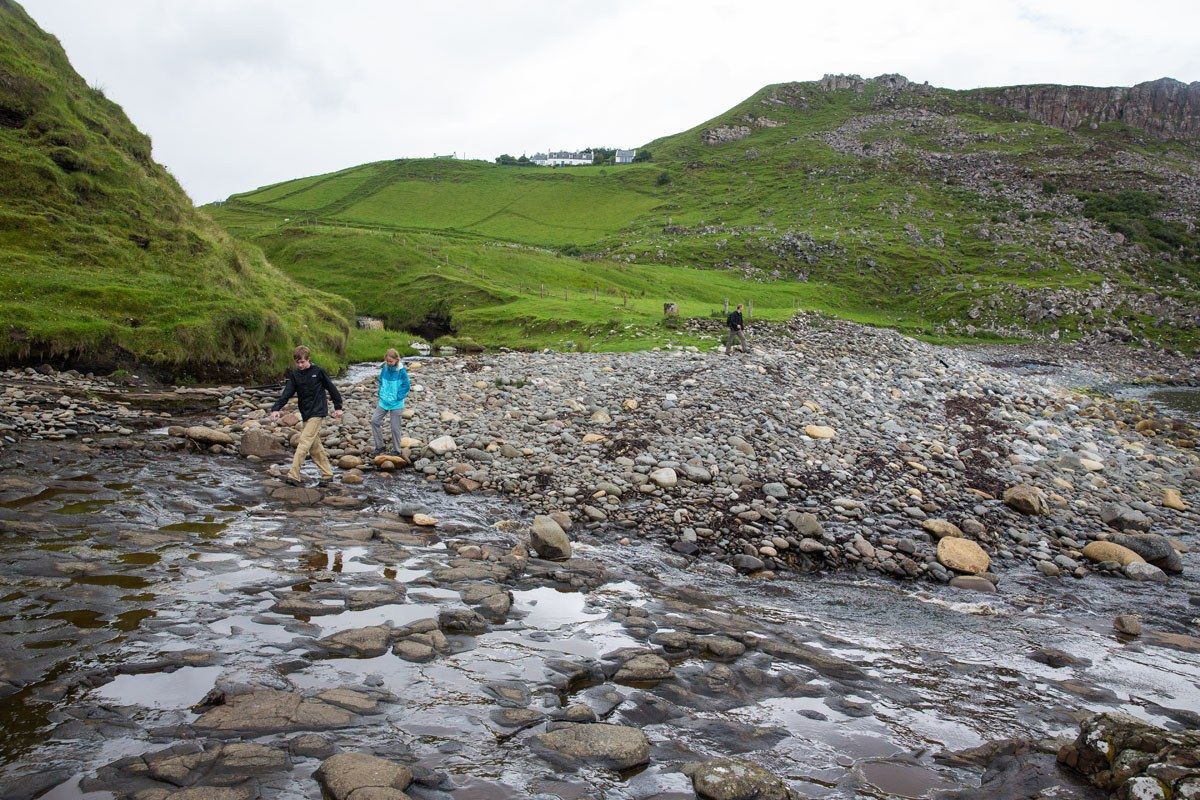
(290, 481)
(378, 451)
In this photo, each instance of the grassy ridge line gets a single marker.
(889, 241)
(105, 260)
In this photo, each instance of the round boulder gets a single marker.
(1027, 499)
(615, 747)
(1111, 551)
(962, 555)
(549, 540)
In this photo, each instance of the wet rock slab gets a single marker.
(274, 711)
(616, 747)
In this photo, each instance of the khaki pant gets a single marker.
(310, 443)
(738, 336)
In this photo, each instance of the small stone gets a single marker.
(1129, 624)
(664, 477)
(424, 520)
(1172, 499)
(941, 528)
(442, 445)
(1027, 499)
(819, 432)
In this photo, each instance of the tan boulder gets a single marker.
(424, 520)
(1172, 499)
(941, 528)
(962, 555)
(1111, 551)
(593, 438)
(1027, 499)
(349, 462)
(819, 431)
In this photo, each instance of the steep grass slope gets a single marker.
(880, 200)
(105, 260)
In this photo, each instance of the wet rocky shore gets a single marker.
(673, 574)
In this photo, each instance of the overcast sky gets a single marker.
(238, 94)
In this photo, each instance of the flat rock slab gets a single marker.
(359, 775)
(273, 711)
(358, 642)
(615, 747)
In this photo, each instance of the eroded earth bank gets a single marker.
(846, 564)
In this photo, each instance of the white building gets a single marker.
(562, 158)
(624, 156)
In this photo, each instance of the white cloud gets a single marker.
(241, 93)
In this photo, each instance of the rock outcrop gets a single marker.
(1166, 108)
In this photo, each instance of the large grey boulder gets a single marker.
(593, 744)
(1153, 547)
(734, 779)
(273, 711)
(351, 776)
(1124, 518)
(549, 540)
(257, 442)
(1027, 499)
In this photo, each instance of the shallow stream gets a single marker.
(134, 581)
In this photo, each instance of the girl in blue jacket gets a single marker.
(393, 388)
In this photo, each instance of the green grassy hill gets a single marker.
(106, 261)
(879, 200)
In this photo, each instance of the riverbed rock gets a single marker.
(665, 477)
(616, 747)
(272, 711)
(1124, 518)
(257, 442)
(442, 445)
(819, 431)
(1173, 500)
(208, 436)
(1128, 624)
(359, 776)
(941, 528)
(1154, 548)
(358, 642)
(734, 779)
(548, 539)
(1027, 499)
(1100, 551)
(962, 555)
(974, 583)
(1134, 760)
(1141, 571)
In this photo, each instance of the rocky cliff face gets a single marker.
(1166, 108)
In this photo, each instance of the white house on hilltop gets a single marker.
(562, 158)
(624, 156)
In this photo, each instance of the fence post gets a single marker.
(727, 306)
(750, 309)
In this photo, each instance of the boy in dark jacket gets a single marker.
(310, 384)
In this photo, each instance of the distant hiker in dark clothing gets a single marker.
(393, 388)
(737, 329)
(310, 384)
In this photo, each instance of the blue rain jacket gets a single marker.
(393, 387)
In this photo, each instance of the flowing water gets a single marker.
(135, 580)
